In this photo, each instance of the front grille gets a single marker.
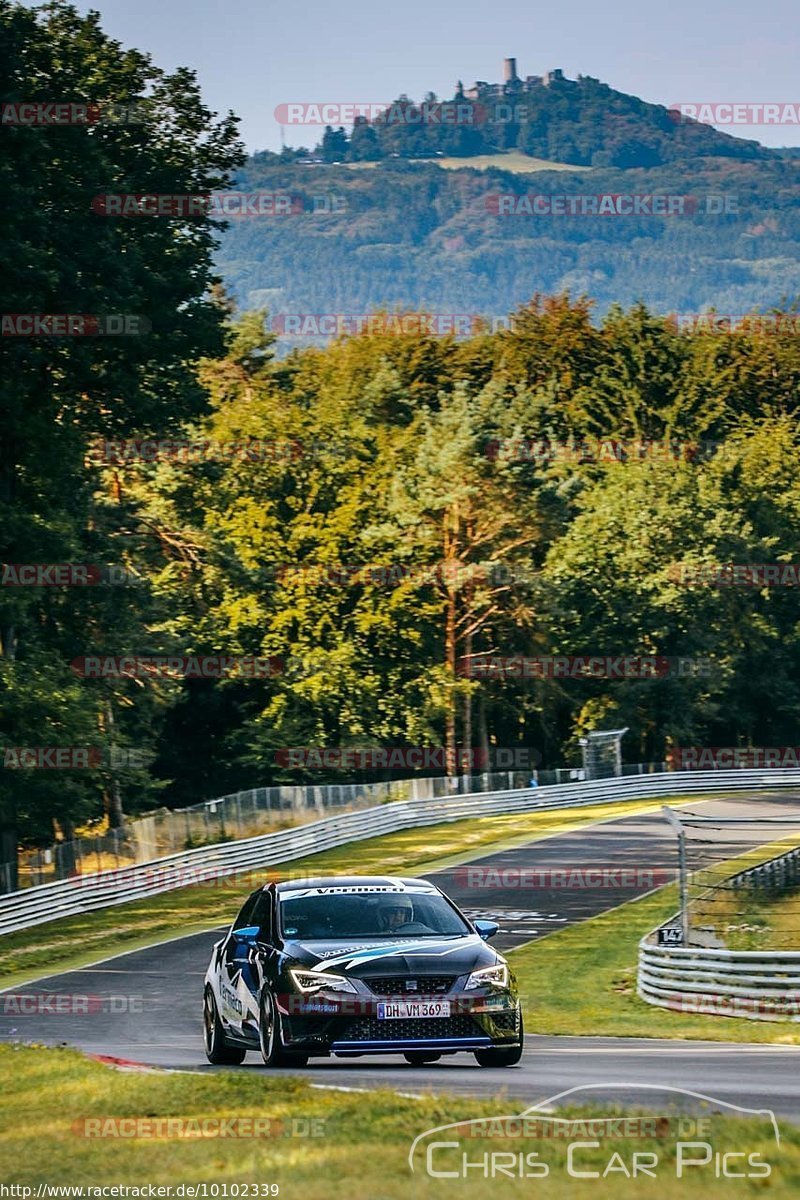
(506, 1020)
(306, 1027)
(397, 985)
(370, 1029)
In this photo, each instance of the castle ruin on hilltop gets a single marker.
(512, 85)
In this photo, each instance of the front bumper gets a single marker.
(350, 1024)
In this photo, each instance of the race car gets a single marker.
(359, 965)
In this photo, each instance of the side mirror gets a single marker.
(247, 934)
(487, 929)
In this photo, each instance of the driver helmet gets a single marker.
(397, 904)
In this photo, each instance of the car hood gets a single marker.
(395, 956)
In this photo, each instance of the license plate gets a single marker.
(405, 1009)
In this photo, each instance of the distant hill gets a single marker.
(480, 232)
(415, 235)
(583, 122)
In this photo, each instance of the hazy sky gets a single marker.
(251, 55)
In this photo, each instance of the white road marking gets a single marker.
(693, 1052)
(333, 1087)
(114, 971)
(179, 937)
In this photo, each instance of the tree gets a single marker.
(59, 395)
(364, 145)
(459, 517)
(333, 146)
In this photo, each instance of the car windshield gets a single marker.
(356, 915)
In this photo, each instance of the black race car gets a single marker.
(359, 965)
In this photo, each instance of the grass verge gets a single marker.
(74, 941)
(326, 1143)
(765, 922)
(581, 981)
(751, 917)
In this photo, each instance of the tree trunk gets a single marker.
(483, 733)
(450, 659)
(8, 642)
(8, 856)
(8, 489)
(66, 861)
(470, 763)
(116, 817)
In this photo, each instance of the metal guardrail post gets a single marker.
(683, 880)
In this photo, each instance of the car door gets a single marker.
(264, 956)
(236, 971)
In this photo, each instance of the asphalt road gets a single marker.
(145, 1005)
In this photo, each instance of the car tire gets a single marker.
(270, 1040)
(420, 1058)
(218, 1051)
(502, 1056)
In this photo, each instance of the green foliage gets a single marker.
(415, 235)
(400, 470)
(365, 532)
(59, 395)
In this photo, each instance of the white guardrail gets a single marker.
(69, 897)
(761, 985)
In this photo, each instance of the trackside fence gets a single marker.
(761, 985)
(246, 814)
(69, 897)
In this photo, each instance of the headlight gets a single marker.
(494, 976)
(313, 981)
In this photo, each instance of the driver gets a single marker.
(399, 911)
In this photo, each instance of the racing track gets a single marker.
(145, 1004)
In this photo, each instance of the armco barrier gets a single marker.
(68, 897)
(775, 875)
(245, 814)
(761, 985)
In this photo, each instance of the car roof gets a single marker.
(387, 883)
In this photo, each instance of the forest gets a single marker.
(709, 232)
(333, 537)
